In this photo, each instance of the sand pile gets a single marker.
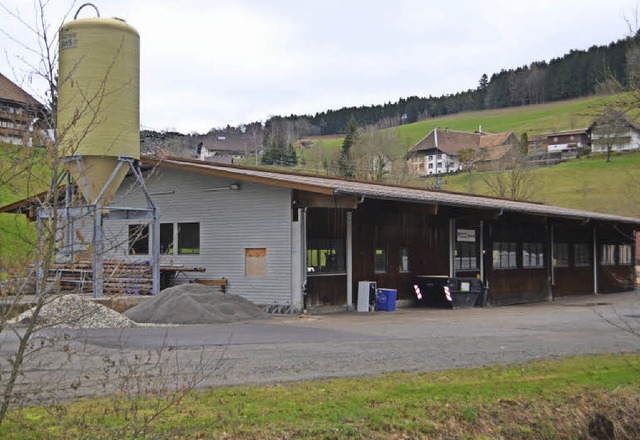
(73, 311)
(194, 304)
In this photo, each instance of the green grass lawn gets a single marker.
(23, 172)
(546, 399)
(589, 183)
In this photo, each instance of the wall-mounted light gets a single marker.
(231, 186)
(163, 193)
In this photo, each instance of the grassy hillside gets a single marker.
(588, 183)
(22, 173)
(561, 115)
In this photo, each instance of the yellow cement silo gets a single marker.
(98, 100)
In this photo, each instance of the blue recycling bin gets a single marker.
(386, 299)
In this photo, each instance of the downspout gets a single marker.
(349, 258)
(552, 263)
(595, 261)
(452, 227)
(482, 251)
(302, 217)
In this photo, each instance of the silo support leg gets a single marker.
(98, 269)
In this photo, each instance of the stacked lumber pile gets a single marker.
(120, 277)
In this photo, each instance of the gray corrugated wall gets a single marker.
(255, 216)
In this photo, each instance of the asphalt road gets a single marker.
(69, 363)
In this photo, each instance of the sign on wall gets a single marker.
(466, 235)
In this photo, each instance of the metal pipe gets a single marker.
(113, 175)
(595, 261)
(482, 251)
(452, 249)
(349, 258)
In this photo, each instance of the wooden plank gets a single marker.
(313, 200)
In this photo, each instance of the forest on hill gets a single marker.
(576, 74)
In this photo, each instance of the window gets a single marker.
(608, 254)
(326, 256)
(532, 255)
(624, 252)
(188, 238)
(439, 156)
(466, 257)
(560, 254)
(380, 260)
(166, 238)
(404, 259)
(430, 166)
(504, 255)
(138, 239)
(431, 157)
(255, 262)
(581, 255)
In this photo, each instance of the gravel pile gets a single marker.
(194, 304)
(73, 311)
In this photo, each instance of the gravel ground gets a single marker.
(194, 304)
(74, 311)
(340, 345)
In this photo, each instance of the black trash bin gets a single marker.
(446, 292)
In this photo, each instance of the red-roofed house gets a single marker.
(439, 151)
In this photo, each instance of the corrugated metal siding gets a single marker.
(256, 216)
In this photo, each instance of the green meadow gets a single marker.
(543, 399)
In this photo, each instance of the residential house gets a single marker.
(225, 148)
(613, 132)
(561, 144)
(439, 151)
(19, 113)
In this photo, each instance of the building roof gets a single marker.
(452, 141)
(336, 186)
(10, 91)
(228, 143)
(614, 118)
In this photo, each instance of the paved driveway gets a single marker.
(336, 345)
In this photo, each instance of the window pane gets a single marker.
(138, 239)
(380, 260)
(166, 238)
(560, 254)
(326, 255)
(581, 255)
(532, 255)
(625, 254)
(188, 238)
(466, 257)
(608, 254)
(504, 255)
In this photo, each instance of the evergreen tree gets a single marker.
(278, 152)
(484, 82)
(346, 167)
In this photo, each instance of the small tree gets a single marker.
(515, 180)
(468, 158)
(375, 151)
(346, 166)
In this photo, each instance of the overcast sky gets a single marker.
(211, 63)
